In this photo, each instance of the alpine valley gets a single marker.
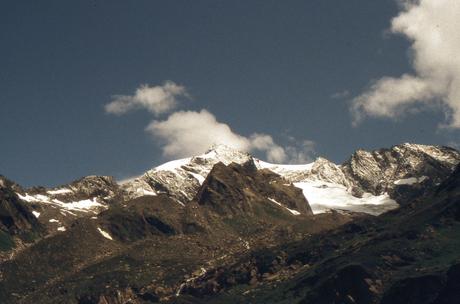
(226, 227)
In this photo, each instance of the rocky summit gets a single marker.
(227, 227)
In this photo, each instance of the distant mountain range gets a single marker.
(226, 227)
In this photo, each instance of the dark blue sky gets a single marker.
(259, 66)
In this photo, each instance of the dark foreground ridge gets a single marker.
(247, 235)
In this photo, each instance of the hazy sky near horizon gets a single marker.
(117, 87)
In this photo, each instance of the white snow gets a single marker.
(105, 234)
(274, 201)
(324, 196)
(37, 214)
(61, 229)
(27, 198)
(82, 206)
(53, 221)
(173, 165)
(179, 202)
(59, 191)
(282, 168)
(143, 191)
(410, 180)
(41, 197)
(295, 212)
(198, 177)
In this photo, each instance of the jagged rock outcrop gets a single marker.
(181, 179)
(402, 172)
(242, 231)
(15, 216)
(239, 189)
(403, 165)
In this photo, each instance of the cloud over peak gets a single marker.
(156, 99)
(432, 27)
(186, 133)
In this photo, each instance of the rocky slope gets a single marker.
(371, 182)
(227, 227)
(150, 248)
(409, 255)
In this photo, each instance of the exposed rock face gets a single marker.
(367, 182)
(240, 231)
(403, 172)
(182, 178)
(409, 255)
(15, 216)
(235, 189)
(405, 165)
(58, 207)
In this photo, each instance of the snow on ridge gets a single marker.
(105, 234)
(323, 196)
(145, 192)
(173, 165)
(295, 212)
(410, 180)
(198, 177)
(59, 191)
(280, 167)
(27, 198)
(82, 205)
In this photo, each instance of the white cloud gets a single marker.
(340, 95)
(187, 133)
(264, 142)
(156, 99)
(432, 26)
(301, 152)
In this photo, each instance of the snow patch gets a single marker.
(410, 180)
(53, 221)
(145, 192)
(37, 214)
(27, 198)
(59, 191)
(198, 177)
(278, 168)
(295, 212)
(324, 196)
(173, 165)
(82, 206)
(61, 229)
(105, 234)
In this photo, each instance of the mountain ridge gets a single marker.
(251, 232)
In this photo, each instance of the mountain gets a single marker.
(226, 227)
(409, 255)
(370, 182)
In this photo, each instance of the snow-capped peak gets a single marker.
(182, 178)
(367, 173)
